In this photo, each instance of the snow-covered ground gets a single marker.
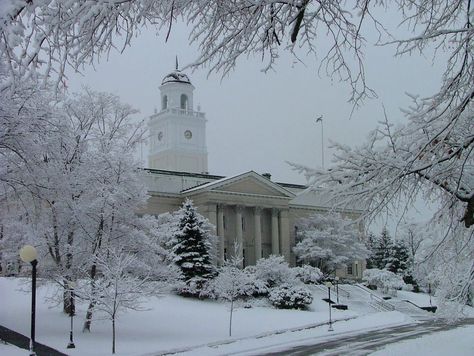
(174, 323)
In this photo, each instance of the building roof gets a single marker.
(228, 180)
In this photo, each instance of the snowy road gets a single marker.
(368, 342)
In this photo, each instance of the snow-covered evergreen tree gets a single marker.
(192, 247)
(329, 241)
(398, 259)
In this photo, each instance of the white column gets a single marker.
(275, 233)
(285, 248)
(258, 233)
(212, 214)
(220, 232)
(238, 231)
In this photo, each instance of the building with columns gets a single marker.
(248, 208)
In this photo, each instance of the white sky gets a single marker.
(258, 121)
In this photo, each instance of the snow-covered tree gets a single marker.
(398, 261)
(232, 283)
(46, 36)
(192, 248)
(383, 279)
(118, 288)
(72, 187)
(329, 241)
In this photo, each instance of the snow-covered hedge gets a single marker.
(383, 279)
(274, 271)
(288, 296)
(308, 274)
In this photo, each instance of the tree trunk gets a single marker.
(90, 308)
(113, 334)
(68, 302)
(231, 311)
(92, 275)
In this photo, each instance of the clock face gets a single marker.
(188, 134)
(160, 136)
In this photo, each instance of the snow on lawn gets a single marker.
(439, 344)
(169, 322)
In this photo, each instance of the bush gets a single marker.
(258, 287)
(308, 274)
(383, 279)
(274, 271)
(290, 297)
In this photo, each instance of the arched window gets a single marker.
(184, 101)
(164, 102)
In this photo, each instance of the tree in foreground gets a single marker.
(232, 283)
(329, 241)
(192, 247)
(118, 287)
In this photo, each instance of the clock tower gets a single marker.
(177, 132)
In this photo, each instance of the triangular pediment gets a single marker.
(250, 185)
(246, 183)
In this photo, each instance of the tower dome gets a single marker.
(176, 77)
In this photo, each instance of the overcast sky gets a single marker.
(258, 121)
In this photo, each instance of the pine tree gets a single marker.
(192, 247)
(372, 245)
(398, 259)
(383, 254)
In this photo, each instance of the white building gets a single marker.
(248, 208)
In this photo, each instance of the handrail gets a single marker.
(183, 112)
(378, 299)
(344, 293)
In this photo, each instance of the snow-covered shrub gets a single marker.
(383, 279)
(274, 271)
(257, 287)
(308, 274)
(289, 296)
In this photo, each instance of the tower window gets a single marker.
(164, 102)
(184, 101)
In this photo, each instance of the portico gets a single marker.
(250, 213)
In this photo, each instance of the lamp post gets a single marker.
(28, 254)
(71, 286)
(337, 289)
(329, 285)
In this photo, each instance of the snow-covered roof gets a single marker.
(227, 180)
(176, 77)
(312, 197)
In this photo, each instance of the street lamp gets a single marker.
(28, 254)
(71, 286)
(337, 289)
(329, 285)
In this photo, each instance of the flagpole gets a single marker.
(320, 119)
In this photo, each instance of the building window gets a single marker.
(164, 102)
(225, 254)
(349, 269)
(223, 220)
(243, 258)
(243, 223)
(184, 101)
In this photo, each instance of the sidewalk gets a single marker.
(17, 339)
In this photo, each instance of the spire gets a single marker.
(176, 62)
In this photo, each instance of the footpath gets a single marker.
(12, 337)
